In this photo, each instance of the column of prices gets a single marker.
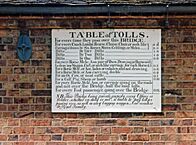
(106, 70)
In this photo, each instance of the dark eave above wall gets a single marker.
(16, 2)
(112, 7)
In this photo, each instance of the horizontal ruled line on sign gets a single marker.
(71, 55)
(137, 73)
(129, 55)
(136, 79)
(128, 76)
(71, 52)
(128, 59)
(125, 52)
(71, 59)
(120, 93)
(133, 80)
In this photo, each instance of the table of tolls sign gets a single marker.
(106, 70)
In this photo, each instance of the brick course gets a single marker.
(25, 88)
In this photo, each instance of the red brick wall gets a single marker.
(25, 88)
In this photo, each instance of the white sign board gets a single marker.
(106, 70)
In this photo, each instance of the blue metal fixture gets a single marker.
(24, 47)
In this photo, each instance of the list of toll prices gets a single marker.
(106, 70)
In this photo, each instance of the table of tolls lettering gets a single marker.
(106, 70)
